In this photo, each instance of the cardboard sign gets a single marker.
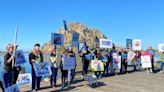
(75, 39)
(116, 62)
(19, 58)
(157, 58)
(13, 88)
(161, 47)
(57, 39)
(105, 43)
(24, 79)
(146, 61)
(69, 63)
(131, 56)
(137, 44)
(129, 43)
(42, 69)
(97, 65)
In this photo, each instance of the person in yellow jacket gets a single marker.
(162, 63)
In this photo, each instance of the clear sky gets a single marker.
(117, 19)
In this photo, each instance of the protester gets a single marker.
(162, 63)
(54, 67)
(1, 78)
(152, 52)
(64, 73)
(35, 56)
(137, 65)
(10, 75)
(105, 60)
(72, 54)
(124, 64)
(85, 60)
(113, 51)
(97, 54)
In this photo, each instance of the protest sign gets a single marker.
(161, 47)
(89, 57)
(75, 39)
(24, 79)
(97, 65)
(137, 44)
(57, 39)
(116, 62)
(157, 58)
(19, 58)
(82, 47)
(69, 63)
(146, 61)
(42, 69)
(129, 43)
(13, 88)
(131, 56)
(105, 43)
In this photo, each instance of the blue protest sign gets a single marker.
(104, 59)
(105, 43)
(69, 63)
(42, 69)
(65, 25)
(129, 43)
(82, 46)
(24, 79)
(57, 39)
(13, 88)
(19, 58)
(157, 58)
(89, 57)
(75, 39)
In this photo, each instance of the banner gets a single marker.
(146, 61)
(116, 62)
(131, 56)
(129, 43)
(24, 79)
(97, 65)
(13, 88)
(57, 39)
(136, 44)
(82, 47)
(161, 47)
(42, 69)
(157, 58)
(105, 43)
(19, 58)
(75, 39)
(69, 63)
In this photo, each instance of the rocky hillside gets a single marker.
(89, 35)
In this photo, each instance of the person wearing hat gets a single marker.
(35, 56)
(11, 73)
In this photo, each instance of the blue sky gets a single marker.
(117, 19)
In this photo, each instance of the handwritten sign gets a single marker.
(105, 43)
(146, 61)
(97, 65)
(19, 58)
(69, 63)
(57, 39)
(24, 79)
(137, 44)
(42, 69)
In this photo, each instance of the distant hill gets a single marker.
(90, 35)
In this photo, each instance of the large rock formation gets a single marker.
(89, 35)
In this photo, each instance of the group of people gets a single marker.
(56, 62)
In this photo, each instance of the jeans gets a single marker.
(162, 65)
(85, 67)
(35, 81)
(8, 79)
(53, 77)
(72, 75)
(106, 69)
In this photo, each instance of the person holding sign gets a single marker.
(162, 63)
(152, 52)
(113, 51)
(124, 61)
(86, 56)
(54, 67)
(137, 65)
(11, 73)
(72, 54)
(105, 59)
(35, 56)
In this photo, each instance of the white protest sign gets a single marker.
(161, 47)
(97, 65)
(105, 43)
(24, 79)
(146, 61)
(137, 44)
(116, 62)
(131, 55)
